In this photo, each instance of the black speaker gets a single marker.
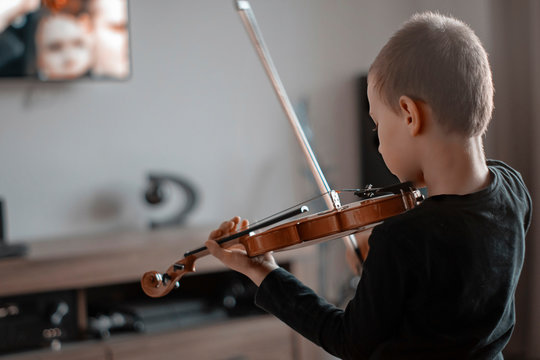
(37, 320)
(372, 167)
(6, 249)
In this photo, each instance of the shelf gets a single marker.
(254, 338)
(105, 268)
(81, 262)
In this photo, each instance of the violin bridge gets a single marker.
(335, 199)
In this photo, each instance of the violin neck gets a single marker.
(203, 250)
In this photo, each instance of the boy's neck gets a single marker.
(456, 166)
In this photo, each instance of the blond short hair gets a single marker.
(438, 60)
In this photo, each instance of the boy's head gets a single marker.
(440, 61)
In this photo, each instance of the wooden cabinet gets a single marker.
(257, 338)
(87, 351)
(79, 266)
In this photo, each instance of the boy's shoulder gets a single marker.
(510, 178)
(446, 215)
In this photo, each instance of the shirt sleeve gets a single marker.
(372, 316)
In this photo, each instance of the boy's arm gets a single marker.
(353, 333)
(369, 319)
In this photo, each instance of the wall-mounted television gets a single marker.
(58, 40)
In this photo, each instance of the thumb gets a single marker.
(214, 248)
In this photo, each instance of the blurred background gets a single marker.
(176, 88)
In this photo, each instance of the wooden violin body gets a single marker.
(308, 230)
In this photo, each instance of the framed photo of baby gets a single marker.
(58, 40)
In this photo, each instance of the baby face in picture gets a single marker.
(64, 46)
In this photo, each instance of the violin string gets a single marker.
(300, 204)
(285, 210)
(353, 190)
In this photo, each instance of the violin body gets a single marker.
(308, 230)
(328, 225)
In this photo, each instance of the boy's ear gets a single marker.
(411, 114)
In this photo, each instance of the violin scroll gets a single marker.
(155, 284)
(152, 284)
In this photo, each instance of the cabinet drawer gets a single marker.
(254, 338)
(76, 351)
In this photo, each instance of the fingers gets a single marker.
(229, 227)
(244, 224)
(235, 224)
(226, 228)
(215, 234)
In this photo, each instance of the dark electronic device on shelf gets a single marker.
(8, 250)
(37, 321)
(205, 298)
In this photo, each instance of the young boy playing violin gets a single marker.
(439, 279)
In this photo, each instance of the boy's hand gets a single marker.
(235, 257)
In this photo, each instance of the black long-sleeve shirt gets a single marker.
(438, 283)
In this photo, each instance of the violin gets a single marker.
(376, 206)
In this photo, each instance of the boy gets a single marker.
(439, 280)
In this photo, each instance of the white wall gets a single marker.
(74, 156)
